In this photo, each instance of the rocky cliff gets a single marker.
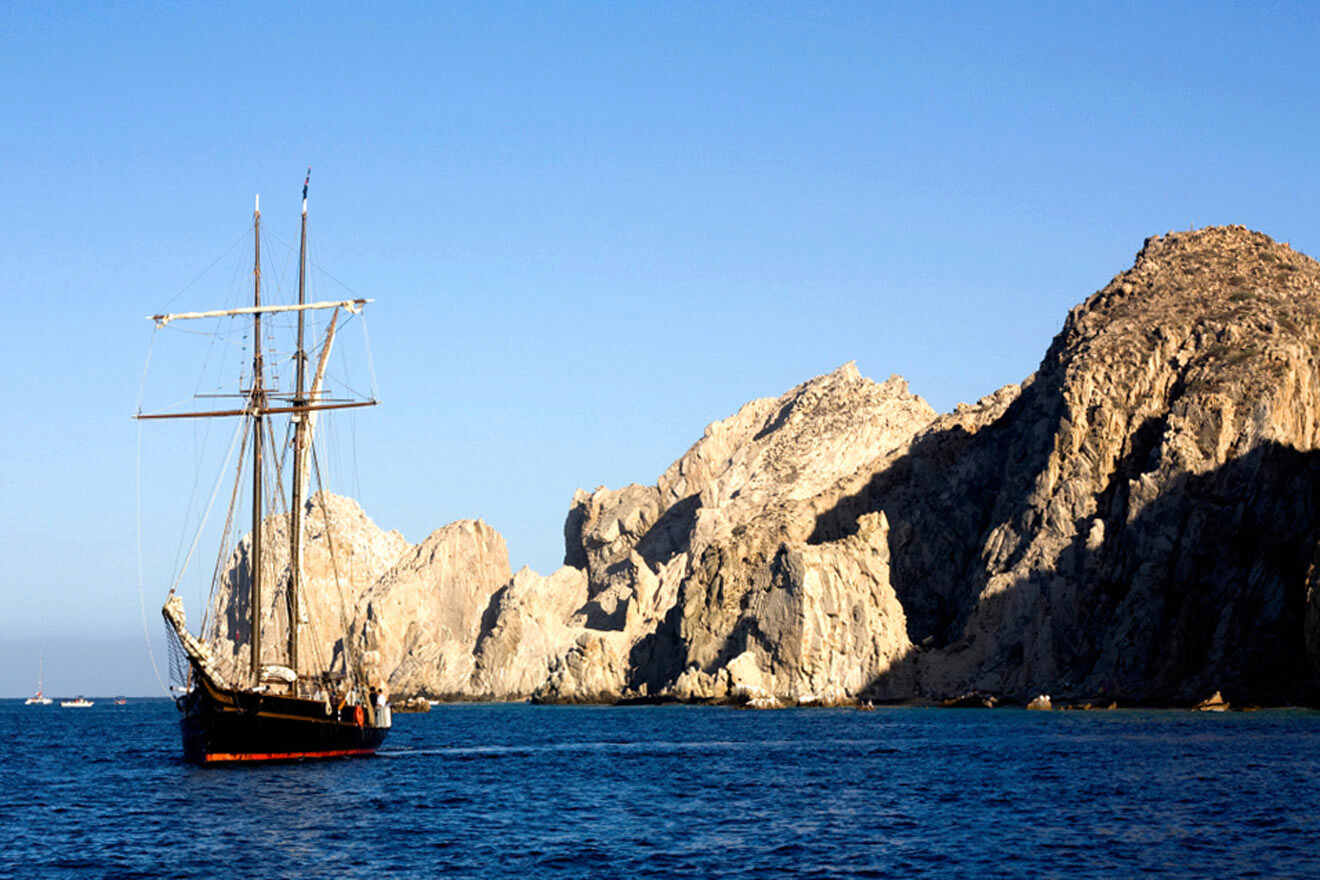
(419, 621)
(1136, 521)
(413, 611)
(344, 553)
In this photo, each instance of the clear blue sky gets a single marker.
(590, 230)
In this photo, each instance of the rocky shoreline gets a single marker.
(1136, 523)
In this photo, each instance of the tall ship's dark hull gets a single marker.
(222, 726)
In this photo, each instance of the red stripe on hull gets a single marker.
(216, 757)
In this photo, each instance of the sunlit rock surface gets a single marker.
(1136, 521)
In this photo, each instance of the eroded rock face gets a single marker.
(421, 619)
(680, 574)
(341, 561)
(822, 624)
(413, 613)
(529, 625)
(1136, 521)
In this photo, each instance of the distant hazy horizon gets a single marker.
(93, 666)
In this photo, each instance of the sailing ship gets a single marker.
(281, 707)
(39, 698)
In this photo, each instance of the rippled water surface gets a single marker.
(662, 791)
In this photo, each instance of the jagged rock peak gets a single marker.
(423, 616)
(801, 441)
(1220, 272)
(1157, 249)
(772, 451)
(1223, 313)
(654, 556)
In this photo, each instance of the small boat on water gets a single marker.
(413, 704)
(121, 701)
(76, 703)
(282, 702)
(39, 698)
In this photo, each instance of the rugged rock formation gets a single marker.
(1140, 520)
(820, 624)
(339, 564)
(415, 612)
(529, 624)
(680, 574)
(1136, 521)
(596, 629)
(419, 620)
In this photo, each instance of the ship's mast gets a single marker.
(304, 406)
(258, 404)
(299, 441)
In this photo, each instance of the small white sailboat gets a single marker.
(39, 698)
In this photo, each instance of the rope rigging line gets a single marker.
(224, 535)
(214, 335)
(142, 598)
(311, 261)
(238, 430)
(142, 383)
(313, 633)
(204, 272)
(340, 378)
(275, 504)
(290, 431)
(371, 365)
(220, 335)
(199, 456)
(351, 668)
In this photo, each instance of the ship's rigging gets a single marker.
(288, 666)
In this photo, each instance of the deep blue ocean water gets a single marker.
(526, 791)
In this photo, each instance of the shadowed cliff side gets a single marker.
(1153, 478)
(1207, 588)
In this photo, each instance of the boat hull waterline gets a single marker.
(222, 726)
